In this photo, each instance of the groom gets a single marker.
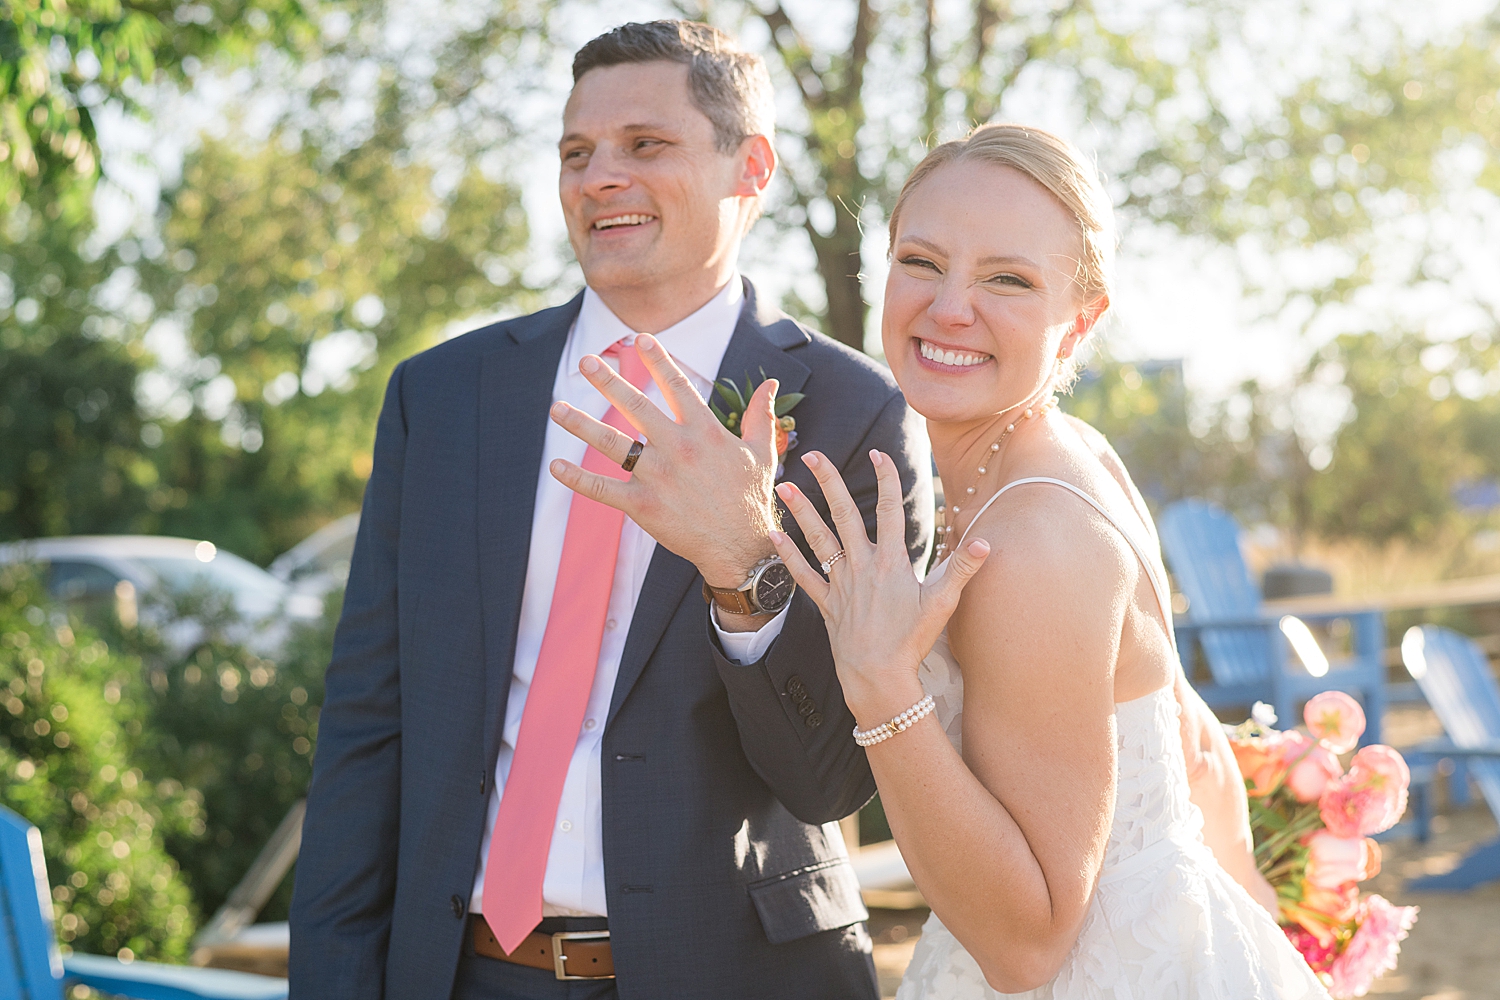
(546, 766)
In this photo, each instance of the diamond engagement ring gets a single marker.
(827, 564)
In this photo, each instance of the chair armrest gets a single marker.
(1216, 624)
(1320, 617)
(1447, 748)
(152, 981)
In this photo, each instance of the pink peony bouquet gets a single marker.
(1312, 821)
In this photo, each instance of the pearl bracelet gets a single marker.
(899, 724)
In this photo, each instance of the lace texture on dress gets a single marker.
(1166, 922)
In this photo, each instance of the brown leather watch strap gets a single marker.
(736, 602)
(585, 954)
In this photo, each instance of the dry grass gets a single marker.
(1363, 570)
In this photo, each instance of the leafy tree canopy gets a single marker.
(61, 60)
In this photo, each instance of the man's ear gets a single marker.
(757, 166)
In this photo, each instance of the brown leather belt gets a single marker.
(567, 954)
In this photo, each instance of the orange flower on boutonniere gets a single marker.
(732, 415)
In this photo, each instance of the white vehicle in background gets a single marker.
(320, 562)
(121, 572)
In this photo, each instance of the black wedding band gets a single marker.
(632, 456)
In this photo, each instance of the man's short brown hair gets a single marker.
(729, 85)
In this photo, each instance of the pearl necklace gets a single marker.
(949, 514)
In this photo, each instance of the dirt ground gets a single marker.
(1453, 952)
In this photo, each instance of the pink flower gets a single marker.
(1318, 955)
(1337, 905)
(1260, 761)
(1310, 775)
(1373, 949)
(1334, 861)
(1370, 798)
(1336, 719)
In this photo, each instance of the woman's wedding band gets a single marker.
(827, 564)
(632, 456)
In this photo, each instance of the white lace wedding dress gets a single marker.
(1166, 922)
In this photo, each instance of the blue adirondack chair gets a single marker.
(1245, 650)
(1455, 677)
(32, 969)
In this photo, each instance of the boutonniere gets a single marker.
(733, 414)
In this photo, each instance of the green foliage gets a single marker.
(69, 764)
(72, 456)
(48, 140)
(1411, 422)
(1410, 438)
(277, 261)
(302, 267)
(238, 730)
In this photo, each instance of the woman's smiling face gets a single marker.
(982, 296)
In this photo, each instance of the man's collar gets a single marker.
(697, 343)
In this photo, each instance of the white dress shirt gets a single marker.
(574, 880)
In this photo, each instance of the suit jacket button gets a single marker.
(458, 906)
(795, 688)
(814, 720)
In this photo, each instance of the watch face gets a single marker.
(774, 588)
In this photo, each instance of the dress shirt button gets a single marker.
(611, 624)
(590, 723)
(566, 825)
(457, 902)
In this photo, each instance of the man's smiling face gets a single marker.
(651, 203)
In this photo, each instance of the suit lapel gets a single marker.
(759, 345)
(515, 392)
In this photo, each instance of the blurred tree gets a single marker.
(300, 276)
(71, 454)
(238, 731)
(1372, 440)
(69, 764)
(255, 321)
(61, 61)
(1182, 145)
(1408, 439)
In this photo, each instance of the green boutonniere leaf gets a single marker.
(785, 403)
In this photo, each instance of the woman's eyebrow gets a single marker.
(1009, 259)
(925, 244)
(1012, 259)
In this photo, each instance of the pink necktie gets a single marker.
(558, 697)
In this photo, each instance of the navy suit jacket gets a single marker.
(720, 782)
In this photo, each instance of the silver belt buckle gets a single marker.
(560, 960)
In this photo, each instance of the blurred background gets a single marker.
(223, 223)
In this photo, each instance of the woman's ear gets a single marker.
(1083, 325)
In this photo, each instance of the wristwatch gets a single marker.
(767, 591)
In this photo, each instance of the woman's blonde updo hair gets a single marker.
(1055, 165)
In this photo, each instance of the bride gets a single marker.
(1042, 761)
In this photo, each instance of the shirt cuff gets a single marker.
(748, 647)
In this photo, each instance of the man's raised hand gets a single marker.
(697, 488)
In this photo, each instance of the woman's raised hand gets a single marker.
(881, 619)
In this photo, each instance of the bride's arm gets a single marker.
(1218, 790)
(1006, 842)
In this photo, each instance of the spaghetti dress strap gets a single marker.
(1159, 586)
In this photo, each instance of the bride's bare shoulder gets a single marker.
(1053, 556)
